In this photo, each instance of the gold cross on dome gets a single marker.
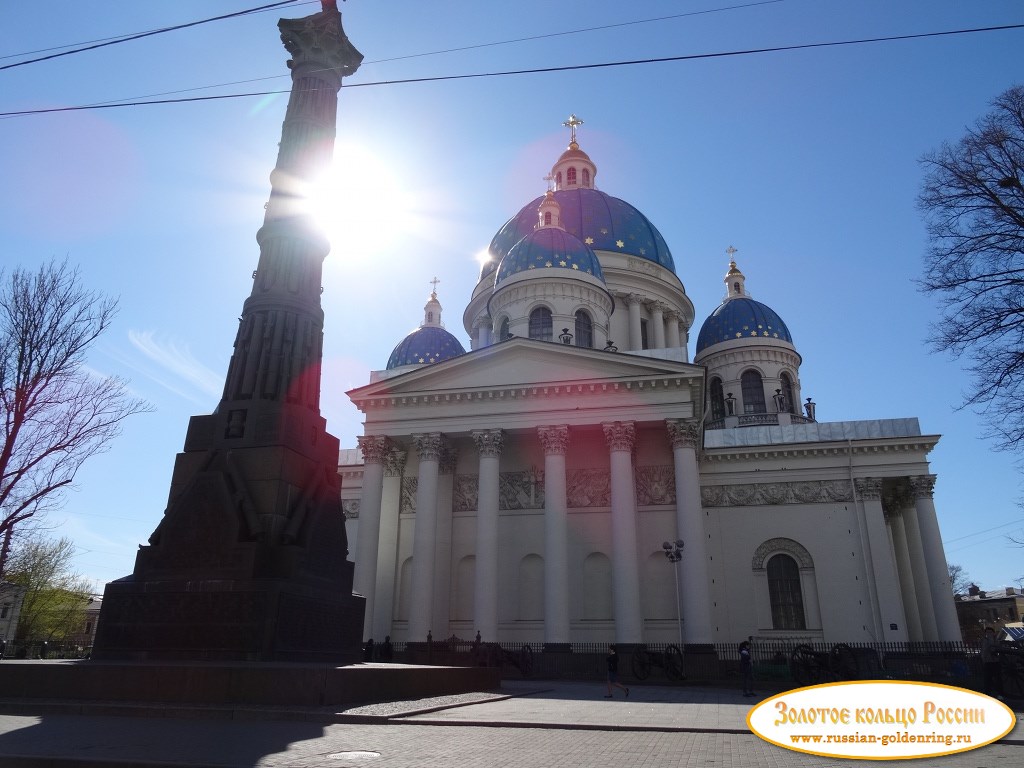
(730, 250)
(572, 123)
(434, 283)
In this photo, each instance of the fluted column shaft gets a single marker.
(633, 301)
(485, 596)
(935, 557)
(658, 321)
(555, 441)
(621, 436)
(428, 447)
(888, 599)
(374, 449)
(919, 567)
(674, 339)
(694, 592)
(905, 571)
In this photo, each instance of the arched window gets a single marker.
(717, 399)
(784, 592)
(570, 176)
(558, 180)
(753, 392)
(787, 392)
(503, 329)
(540, 324)
(584, 329)
(547, 218)
(586, 177)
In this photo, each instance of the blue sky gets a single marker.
(805, 160)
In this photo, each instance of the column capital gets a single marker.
(375, 448)
(320, 40)
(658, 306)
(894, 500)
(554, 439)
(429, 445)
(489, 442)
(868, 487)
(394, 463)
(634, 298)
(621, 435)
(682, 434)
(922, 486)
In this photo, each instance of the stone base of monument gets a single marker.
(229, 684)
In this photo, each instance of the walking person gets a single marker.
(747, 669)
(612, 662)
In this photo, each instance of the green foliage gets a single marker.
(56, 597)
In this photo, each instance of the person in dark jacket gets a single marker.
(612, 662)
(746, 669)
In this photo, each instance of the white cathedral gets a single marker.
(530, 488)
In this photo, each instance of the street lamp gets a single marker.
(674, 553)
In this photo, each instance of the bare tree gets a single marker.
(973, 203)
(958, 578)
(56, 412)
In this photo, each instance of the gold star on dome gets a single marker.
(589, 241)
(575, 266)
(620, 244)
(422, 360)
(604, 230)
(738, 335)
(531, 267)
(764, 333)
(561, 263)
(753, 333)
(547, 263)
(643, 251)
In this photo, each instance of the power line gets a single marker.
(491, 44)
(150, 33)
(541, 70)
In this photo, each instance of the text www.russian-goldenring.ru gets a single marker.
(885, 740)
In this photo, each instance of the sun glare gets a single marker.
(360, 203)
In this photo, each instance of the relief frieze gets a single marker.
(768, 494)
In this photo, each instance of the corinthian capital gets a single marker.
(429, 445)
(375, 448)
(922, 486)
(621, 435)
(555, 440)
(319, 39)
(868, 487)
(489, 442)
(682, 434)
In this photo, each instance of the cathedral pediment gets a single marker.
(526, 364)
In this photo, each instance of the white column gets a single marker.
(633, 301)
(696, 582)
(374, 449)
(935, 559)
(428, 448)
(484, 334)
(887, 595)
(905, 571)
(658, 321)
(387, 552)
(674, 339)
(915, 549)
(485, 595)
(621, 436)
(555, 441)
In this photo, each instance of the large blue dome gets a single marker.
(741, 317)
(546, 249)
(427, 344)
(599, 220)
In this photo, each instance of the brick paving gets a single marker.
(526, 725)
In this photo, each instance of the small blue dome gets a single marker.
(427, 344)
(599, 220)
(741, 317)
(546, 249)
